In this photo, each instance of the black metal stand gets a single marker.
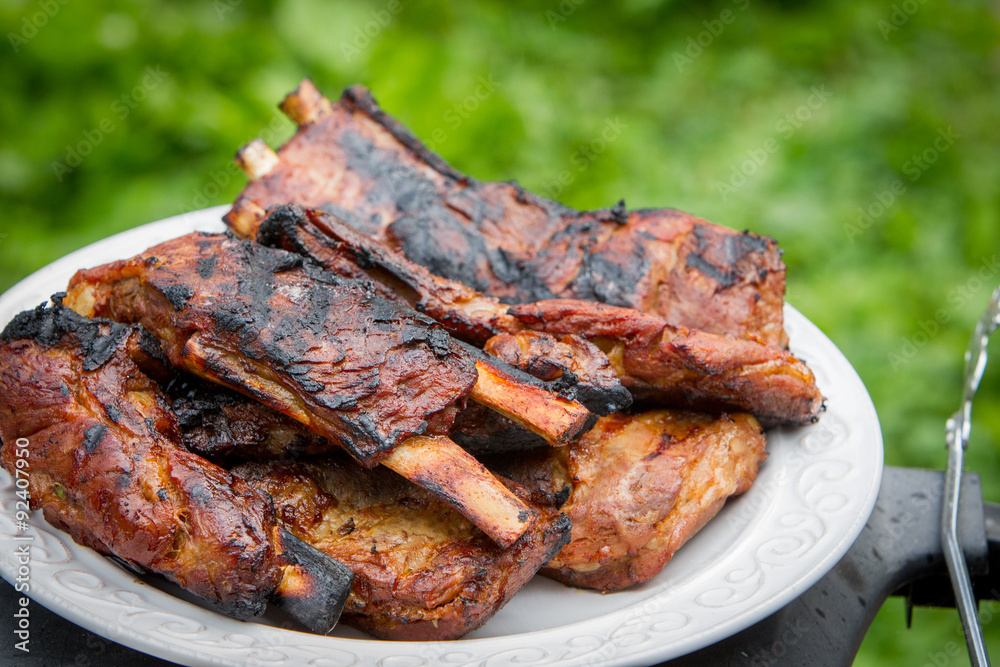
(899, 552)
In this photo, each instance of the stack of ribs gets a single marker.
(389, 371)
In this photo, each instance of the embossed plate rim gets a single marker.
(787, 531)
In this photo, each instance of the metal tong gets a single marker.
(959, 428)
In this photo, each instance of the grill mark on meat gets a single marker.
(48, 326)
(177, 295)
(724, 278)
(92, 437)
(206, 267)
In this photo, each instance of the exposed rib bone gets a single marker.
(256, 159)
(305, 104)
(556, 419)
(356, 369)
(438, 464)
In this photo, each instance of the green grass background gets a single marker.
(890, 76)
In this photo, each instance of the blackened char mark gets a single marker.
(735, 248)
(725, 279)
(178, 295)
(612, 277)
(421, 237)
(738, 246)
(92, 437)
(98, 338)
(399, 184)
(206, 267)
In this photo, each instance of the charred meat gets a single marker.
(324, 350)
(368, 374)
(655, 360)
(466, 313)
(353, 159)
(105, 464)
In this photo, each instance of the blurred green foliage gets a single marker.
(813, 122)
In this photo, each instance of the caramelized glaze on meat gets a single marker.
(422, 571)
(105, 463)
(356, 161)
(636, 488)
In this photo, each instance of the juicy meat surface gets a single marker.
(356, 368)
(356, 161)
(636, 488)
(679, 367)
(105, 462)
(422, 571)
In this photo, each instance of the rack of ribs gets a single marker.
(105, 464)
(367, 374)
(654, 360)
(354, 160)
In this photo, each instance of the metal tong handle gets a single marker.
(959, 428)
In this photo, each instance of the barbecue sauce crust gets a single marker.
(327, 351)
(105, 462)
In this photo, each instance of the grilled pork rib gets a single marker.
(105, 464)
(422, 571)
(654, 360)
(636, 488)
(368, 374)
(353, 159)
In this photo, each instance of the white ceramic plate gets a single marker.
(810, 502)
